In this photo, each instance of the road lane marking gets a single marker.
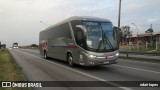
(138, 69)
(85, 74)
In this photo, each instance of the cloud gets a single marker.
(151, 20)
(20, 19)
(142, 13)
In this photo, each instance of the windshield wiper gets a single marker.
(99, 45)
(104, 38)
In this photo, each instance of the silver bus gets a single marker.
(15, 45)
(87, 41)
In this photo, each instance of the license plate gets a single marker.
(106, 62)
(106, 56)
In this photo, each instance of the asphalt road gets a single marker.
(35, 68)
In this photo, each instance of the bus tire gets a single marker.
(70, 60)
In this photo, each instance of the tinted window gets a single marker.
(73, 24)
(79, 35)
(62, 30)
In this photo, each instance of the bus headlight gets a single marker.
(117, 54)
(92, 56)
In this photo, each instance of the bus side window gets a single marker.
(79, 38)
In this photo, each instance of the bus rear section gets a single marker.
(87, 41)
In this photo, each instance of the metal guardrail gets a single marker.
(141, 53)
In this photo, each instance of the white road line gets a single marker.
(138, 69)
(97, 78)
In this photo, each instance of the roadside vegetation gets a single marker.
(9, 70)
(32, 46)
(141, 49)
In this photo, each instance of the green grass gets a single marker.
(142, 49)
(9, 70)
(140, 59)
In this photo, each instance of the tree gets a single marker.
(126, 32)
(150, 30)
(34, 45)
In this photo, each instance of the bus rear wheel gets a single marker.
(70, 60)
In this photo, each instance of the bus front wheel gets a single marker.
(70, 60)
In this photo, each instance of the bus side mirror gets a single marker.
(83, 29)
(117, 31)
(114, 33)
(81, 34)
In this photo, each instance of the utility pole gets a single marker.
(151, 35)
(0, 44)
(151, 26)
(119, 15)
(136, 28)
(137, 37)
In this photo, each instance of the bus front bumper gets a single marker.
(99, 61)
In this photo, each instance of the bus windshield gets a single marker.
(15, 44)
(100, 36)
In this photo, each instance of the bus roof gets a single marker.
(88, 18)
(83, 18)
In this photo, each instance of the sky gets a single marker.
(20, 19)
